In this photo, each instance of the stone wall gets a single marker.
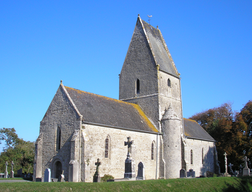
(60, 114)
(201, 164)
(170, 95)
(94, 138)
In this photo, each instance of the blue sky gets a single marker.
(84, 43)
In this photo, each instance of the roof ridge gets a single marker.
(147, 38)
(108, 98)
(190, 120)
(168, 52)
(70, 99)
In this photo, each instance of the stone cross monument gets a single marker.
(62, 177)
(225, 156)
(96, 177)
(12, 172)
(226, 170)
(129, 162)
(6, 171)
(246, 171)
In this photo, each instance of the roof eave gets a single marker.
(122, 128)
(202, 139)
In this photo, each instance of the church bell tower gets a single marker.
(150, 79)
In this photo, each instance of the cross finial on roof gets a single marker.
(149, 17)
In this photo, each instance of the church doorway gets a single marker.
(57, 169)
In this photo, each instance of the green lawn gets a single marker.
(180, 185)
(16, 178)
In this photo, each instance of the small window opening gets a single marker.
(58, 141)
(138, 86)
(169, 82)
(202, 155)
(152, 151)
(191, 156)
(106, 147)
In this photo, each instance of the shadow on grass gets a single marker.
(244, 184)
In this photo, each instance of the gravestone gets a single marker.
(19, 172)
(246, 171)
(12, 172)
(47, 175)
(6, 171)
(182, 173)
(230, 165)
(191, 173)
(96, 177)
(129, 162)
(140, 172)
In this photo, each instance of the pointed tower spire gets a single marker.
(170, 114)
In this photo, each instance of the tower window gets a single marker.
(169, 83)
(138, 86)
(58, 139)
(191, 156)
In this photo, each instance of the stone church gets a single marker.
(80, 127)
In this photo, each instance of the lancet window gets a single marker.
(137, 86)
(169, 83)
(107, 147)
(152, 150)
(202, 155)
(58, 139)
(191, 156)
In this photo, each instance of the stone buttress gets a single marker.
(38, 172)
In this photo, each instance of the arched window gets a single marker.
(58, 139)
(191, 156)
(107, 147)
(137, 86)
(202, 155)
(169, 83)
(152, 150)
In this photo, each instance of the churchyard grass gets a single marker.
(195, 184)
(16, 178)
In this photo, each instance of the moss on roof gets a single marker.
(110, 112)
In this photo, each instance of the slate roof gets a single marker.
(101, 110)
(159, 49)
(194, 131)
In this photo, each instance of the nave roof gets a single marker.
(109, 112)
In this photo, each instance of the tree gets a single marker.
(243, 123)
(9, 136)
(17, 150)
(233, 133)
(218, 122)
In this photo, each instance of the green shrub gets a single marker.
(106, 177)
